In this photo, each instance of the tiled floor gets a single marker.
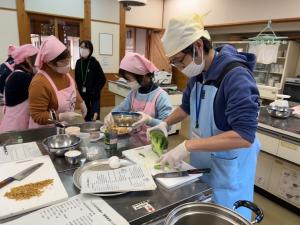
(274, 213)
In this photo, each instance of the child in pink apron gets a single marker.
(146, 97)
(53, 59)
(16, 114)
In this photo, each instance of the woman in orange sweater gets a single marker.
(53, 89)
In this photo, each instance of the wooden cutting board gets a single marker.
(53, 193)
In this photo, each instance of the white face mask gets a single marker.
(194, 69)
(61, 69)
(134, 85)
(84, 52)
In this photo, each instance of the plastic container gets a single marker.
(72, 130)
(111, 142)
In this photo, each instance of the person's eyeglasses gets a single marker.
(178, 61)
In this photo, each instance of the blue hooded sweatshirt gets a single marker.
(236, 104)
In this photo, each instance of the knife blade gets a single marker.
(21, 175)
(183, 173)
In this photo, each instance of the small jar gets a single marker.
(111, 141)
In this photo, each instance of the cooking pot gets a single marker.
(197, 213)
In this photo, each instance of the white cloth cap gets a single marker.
(182, 32)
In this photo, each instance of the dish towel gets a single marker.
(265, 53)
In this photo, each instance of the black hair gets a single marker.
(138, 78)
(88, 44)
(24, 66)
(207, 46)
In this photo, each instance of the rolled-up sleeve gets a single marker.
(185, 104)
(242, 103)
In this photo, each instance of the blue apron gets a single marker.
(232, 172)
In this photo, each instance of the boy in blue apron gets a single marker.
(222, 101)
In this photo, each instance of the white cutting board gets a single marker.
(144, 155)
(53, 193)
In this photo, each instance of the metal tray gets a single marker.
(97, 165)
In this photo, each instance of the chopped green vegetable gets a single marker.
(158, 166)
(159, 142)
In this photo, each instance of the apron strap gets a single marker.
(227, 69)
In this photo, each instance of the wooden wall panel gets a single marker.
(157, 54)
(107, 97)
(85, 26)
(122, 32)
(23, 23)
(179, 79)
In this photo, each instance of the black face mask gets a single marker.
(140, 80)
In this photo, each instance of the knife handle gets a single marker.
(195, 171)
(6, 182)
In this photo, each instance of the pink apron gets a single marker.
(66, 98)
(147, 107)
(15, 118)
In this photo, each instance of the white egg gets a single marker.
(114, 162)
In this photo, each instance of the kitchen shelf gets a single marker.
(281, 57)
(260, 71)
(276, 73)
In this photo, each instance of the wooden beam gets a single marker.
(104, 21)
(8, 9)
(163, 14)
(86, 25)
(254, 22)
(23, 23)
(122, 32)
(144, 27)
(29, 12)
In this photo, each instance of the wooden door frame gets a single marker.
(23, 17)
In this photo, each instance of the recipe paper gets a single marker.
(78, 210)
(145, 156)
(18, 152)
(130, 178)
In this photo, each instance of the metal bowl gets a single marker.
(72, 159)
(59, 144)
(279, 112)
(197, 213)
(125, 119)
(89, 127)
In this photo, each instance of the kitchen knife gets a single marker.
(20, 176)
(183, 173)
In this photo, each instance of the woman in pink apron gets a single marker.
(145, 97)
(53, 89)
(16, 115)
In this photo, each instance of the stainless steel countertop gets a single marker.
(161, 199)
(289, 127)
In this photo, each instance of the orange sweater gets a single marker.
(42, 96)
